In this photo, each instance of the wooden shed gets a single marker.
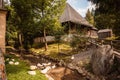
(105, 33)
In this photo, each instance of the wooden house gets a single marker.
(105, 33)
(74, 22)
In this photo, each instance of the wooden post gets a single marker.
(2, 67)
(2, 29)
(69, 27)
(2, 40)
(1, 3)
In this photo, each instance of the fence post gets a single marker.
(2, 67)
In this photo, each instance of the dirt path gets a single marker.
(62, 73)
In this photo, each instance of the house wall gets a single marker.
(2, 29)
(92, 34)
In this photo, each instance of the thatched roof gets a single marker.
(72, 15)
(104, 30)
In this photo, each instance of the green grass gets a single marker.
(19, 72)
(53, 50)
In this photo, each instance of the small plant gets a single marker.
(78, 42)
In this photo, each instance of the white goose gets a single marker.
(49, 63)
(32, 67)
(53, 66)
(7, 59)
(39, 65)
(45, 70)
(11, 62)
(16, 63)
(13, 59)
(32, 72)
(44, 64)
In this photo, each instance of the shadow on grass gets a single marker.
(14, 69)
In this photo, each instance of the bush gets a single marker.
(78, 42)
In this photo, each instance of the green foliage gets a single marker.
(89, 17)
(48, 13)
(29, 18)
(48, 16)
(107, 14)
(78, 42)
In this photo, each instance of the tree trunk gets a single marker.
(20, 39)
(45, 41)
(58, 47)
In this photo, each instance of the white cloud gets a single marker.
(83, 11)
(71, 1)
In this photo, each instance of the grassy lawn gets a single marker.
(53, 50)
(19, 72)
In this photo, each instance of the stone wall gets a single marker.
(2, 29)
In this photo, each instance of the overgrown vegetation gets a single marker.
(30, 19)
(78, 43)
(107, 15)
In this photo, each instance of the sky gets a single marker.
(81, 6)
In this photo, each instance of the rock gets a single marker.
(32, 72)
(72, 57)
(16, 63)
(102, 59)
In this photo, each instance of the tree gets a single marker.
(107, 14)
(32, 17)
(48, 12)
(23, 20)
(89, 17)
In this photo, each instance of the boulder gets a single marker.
(102, 59)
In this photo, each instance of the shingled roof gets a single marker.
(72, 15)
